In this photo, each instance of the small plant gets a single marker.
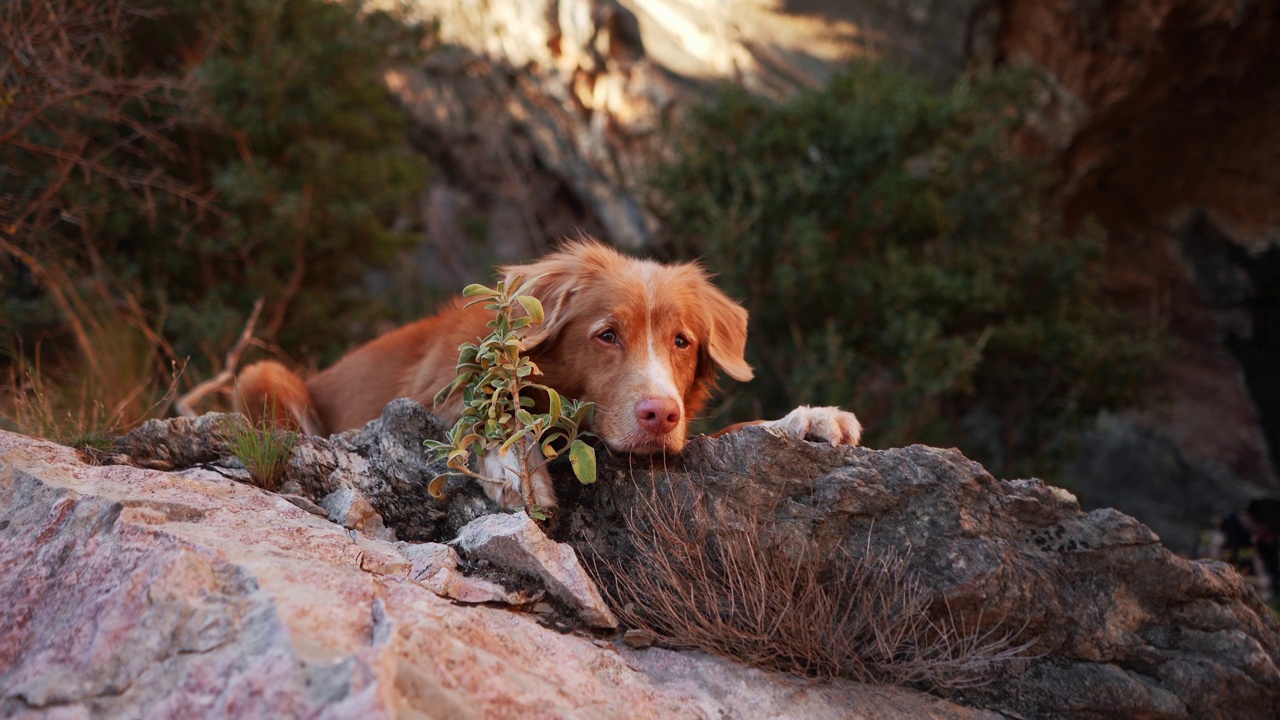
(263, 447)
(497, 405)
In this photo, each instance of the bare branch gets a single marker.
(184, 405)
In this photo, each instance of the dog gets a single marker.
(641, 340)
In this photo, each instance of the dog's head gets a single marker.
(642, 340)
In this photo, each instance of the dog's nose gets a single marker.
(658, 416)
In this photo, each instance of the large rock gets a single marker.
(1117, 624)
(129, 592)
(545, 116)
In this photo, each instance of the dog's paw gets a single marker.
(502, 479)
(825, 424)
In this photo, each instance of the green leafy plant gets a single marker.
(263, 447)
(498, 401)
(900, 257)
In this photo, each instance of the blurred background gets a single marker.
(1046, 233)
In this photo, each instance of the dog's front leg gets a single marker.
(824, 424)
(504, 476)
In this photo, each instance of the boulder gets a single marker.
(1087, 613)
(128, 592)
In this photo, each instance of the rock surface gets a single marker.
(1116, 621)
(1119, 624)
(128, 592)
(515, 542)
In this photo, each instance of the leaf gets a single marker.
(475, 289)
(435, 488)
(509, 442)
(537, 512)
(533, 306)
(524, 416)
(583, 459)
(555, 404)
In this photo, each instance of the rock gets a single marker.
(436, 567)
(515, 542)
(1134, 469)
(135, 593)
(348, 508)
(384, 463)
(1114, 619)
(543, 117)
(1119, 624)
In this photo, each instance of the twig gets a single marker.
(183, 405)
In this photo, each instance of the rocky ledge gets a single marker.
(168, 586)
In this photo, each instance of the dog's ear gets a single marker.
(727, 336)
(554, 282)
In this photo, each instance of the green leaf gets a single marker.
(475, 289)
(583, 459)
(537, 512)
(555, 404)
(509, 442)
(524, 416)
(533, 306)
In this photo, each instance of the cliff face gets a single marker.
(544, 117)
(1164, 122)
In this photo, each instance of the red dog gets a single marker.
(641, 340)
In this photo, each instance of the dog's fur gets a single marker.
(641, 340)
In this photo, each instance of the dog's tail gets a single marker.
(270, 391)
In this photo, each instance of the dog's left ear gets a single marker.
(554, 283)
(727, 341)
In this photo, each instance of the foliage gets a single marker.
(901, 258)
(263, 447)
(498, 399)
(192, 156)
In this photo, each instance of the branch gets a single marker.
(183, 405)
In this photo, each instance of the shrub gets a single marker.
(495, 380)
(191, 156)
(899, 257)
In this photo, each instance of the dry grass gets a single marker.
(116, 380)
(731, 590)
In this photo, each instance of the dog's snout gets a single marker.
(658, 416)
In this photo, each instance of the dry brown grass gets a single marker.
(118, 378)
(733, 590)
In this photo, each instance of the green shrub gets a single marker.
(221, 151)
(900, 258)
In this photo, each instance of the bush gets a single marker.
(169, 162)
(899, 257)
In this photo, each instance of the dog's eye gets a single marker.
(682, 342)
(608, 337)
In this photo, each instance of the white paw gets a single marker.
(503, 473)
(828, 424)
